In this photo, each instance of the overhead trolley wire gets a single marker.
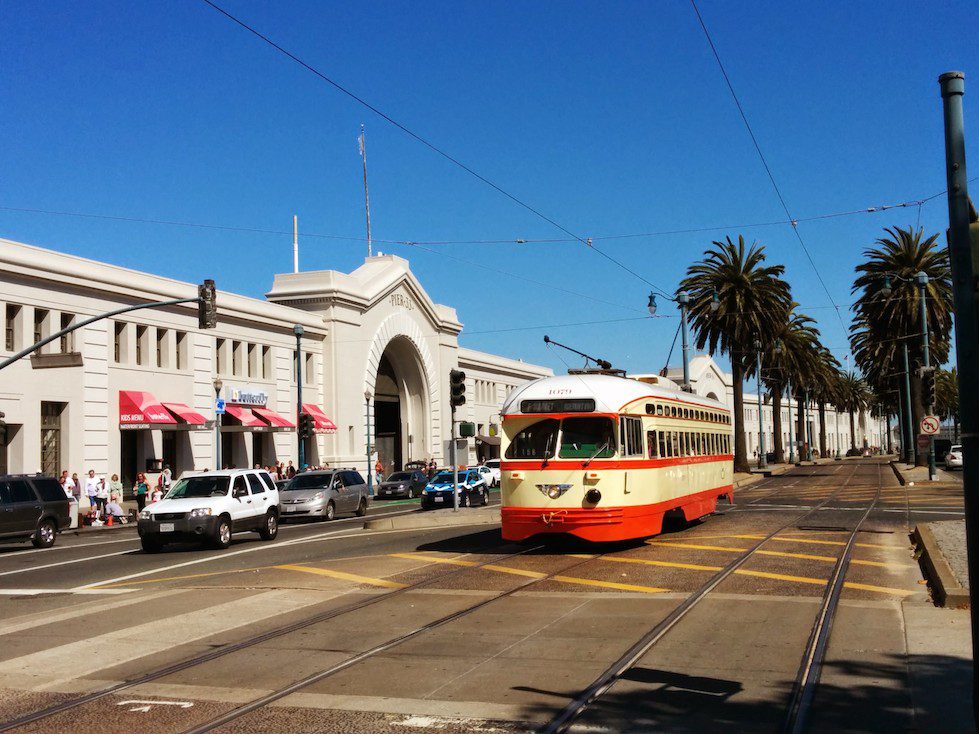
(764, 161)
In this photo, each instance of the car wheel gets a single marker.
(270, 528)
(44, 535)
(222, 534)
(330, 512)
(464, 500)
(411, 493)
(485, 497)
(150, 546)
(362, 507)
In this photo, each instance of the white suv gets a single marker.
(209, 507)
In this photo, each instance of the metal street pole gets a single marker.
(367, 428)
(962, 253)
(762, 463)
(926, 361)
(909, 449)
(218, 384)
(455, 466)
(837, 409)
(684, 300)
(298, 331)
(808, 430)
(788, 389)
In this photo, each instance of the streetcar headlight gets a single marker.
(553, 491)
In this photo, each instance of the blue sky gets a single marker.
(611, 118)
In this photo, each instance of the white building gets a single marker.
(129, 393)
(708, 379)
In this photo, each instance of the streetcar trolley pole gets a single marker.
(963, 246)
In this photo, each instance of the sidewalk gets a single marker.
(128, 505)
(911, 475)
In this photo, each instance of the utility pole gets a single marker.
(684, 300)
(762, 462)
(295, 243)
(788, 389)
(298, 331)
(962, 252)
(922, 279)
(908, 413)
(836, 408)
(367, 198)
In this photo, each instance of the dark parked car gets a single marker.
(403, 484)
(32, 507)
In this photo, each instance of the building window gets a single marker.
(118, 340)
(51, 437)
(10, 334)
(236, 358)
(219, 361)
(180, 353)
(141, 344)
(40, 316)
(67, 340)
(161, 348)
(252, 366)
(308, 377)
(266, 362)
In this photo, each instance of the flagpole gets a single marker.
(367, 199)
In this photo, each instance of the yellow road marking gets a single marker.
(817, 542)
(344, 576)
(181, 578)
(780, 554)
(881, 589)
(663, 564)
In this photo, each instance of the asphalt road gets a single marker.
(451, 629)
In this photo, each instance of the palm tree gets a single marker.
(884, 323)
(753, 302)
(824, 389)
(854, 396)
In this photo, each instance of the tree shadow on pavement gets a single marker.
(853, 697)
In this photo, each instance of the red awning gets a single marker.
(245, 416)
(321, 422)
(141, 410)
(186, 414)
(273, 419)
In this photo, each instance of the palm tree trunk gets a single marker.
(777, 448)
(887, 419)
(740, 446)
(853, 433)
(918, 412)
(800, 429)
(822, 429)
(955, 427)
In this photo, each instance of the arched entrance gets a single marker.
(401, 400)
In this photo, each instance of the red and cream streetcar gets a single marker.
(604, 457)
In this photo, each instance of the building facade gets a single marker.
(130, 393)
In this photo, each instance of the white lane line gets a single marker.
(349, 533)
(38, 592)
(19, 553)
(77, 611)
(86, 559)
(56, 665)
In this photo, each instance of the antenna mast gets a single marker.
(367, 199)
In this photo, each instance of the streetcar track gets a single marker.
(223, 651)
(305, 682)
(572, 711)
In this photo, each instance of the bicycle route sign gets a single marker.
(930, 425)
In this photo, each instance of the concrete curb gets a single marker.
(947, 590)
(930, 485)
(897, 472)
(427, 519)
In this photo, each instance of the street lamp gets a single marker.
(762, 461)
(218, 384)
(683, 300)
(922, 279)
(651, 305)
(715, 302)
(370, 470)
(298, 331)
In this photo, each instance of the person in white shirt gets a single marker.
(102, 496)
(92, 488)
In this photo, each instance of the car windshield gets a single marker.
(399, 476)
(584, 438)
(215, 486)
(308, 481)
(445, 477)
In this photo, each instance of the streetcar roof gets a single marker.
(610, 393)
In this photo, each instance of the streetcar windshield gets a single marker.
(587, 438)
(536, 441)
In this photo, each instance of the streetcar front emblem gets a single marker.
(554, 490)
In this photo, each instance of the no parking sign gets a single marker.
(930, 425)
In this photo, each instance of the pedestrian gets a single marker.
(115, 487)
(290, 470)
(92, 488)
(379, 471)
(115, 510)
(157, 495)
(65, 482)
(166, 477)
(102, 495)
(140, 489)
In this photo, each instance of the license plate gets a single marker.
(166, 527)
(288, 509)
(440, 499)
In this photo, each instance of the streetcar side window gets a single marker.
(662, 445)
(587, 438)
(653, 444)
(631, 436)
(536, 441)
(659, 410)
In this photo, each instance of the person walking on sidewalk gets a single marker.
(140, 489)
(92, 489)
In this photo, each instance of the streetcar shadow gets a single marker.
(892, 694)
(490, 541)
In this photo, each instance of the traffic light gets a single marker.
(207, 305)
(457, 387)
(928, 386)
(305, 426)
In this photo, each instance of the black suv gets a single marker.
(32, 507)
